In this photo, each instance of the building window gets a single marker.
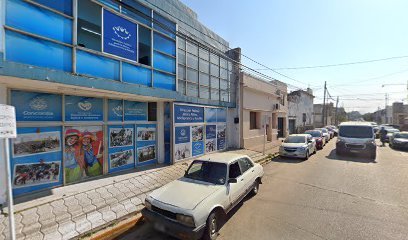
(89, 25)
(253, 120)
(152, 111)
(145, 39)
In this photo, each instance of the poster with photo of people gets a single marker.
(221, 136)
(31, 174)
(121, 147)
(146, 150)
(146, 133)
(121, 158)
(210, 138)
(120, 137)
(83, 155)
(36, 156)
(36, 143)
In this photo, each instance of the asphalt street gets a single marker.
(325, 197)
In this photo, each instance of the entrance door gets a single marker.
(292, 124)
(280, 127)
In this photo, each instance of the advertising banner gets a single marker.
(83, 109)
(146, 150)
(36, 156)
(182, 134)
(135, 111)
(7, 121)
(210, 114)
(83, 156)
(119, 36)
(221, 134)
(183, 143)
(188, 114)
(36, 106)
(210, 138)
(115, 110)
(197, 135)
(121, 147)
(221, 115)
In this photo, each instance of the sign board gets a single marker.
(7, 122)
(119, 36)
(188, 114)
(83, 108)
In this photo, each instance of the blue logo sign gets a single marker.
(182, 134)
(135, 111)
(188, 114)
(198, 148)
(83, 109)
(211, 131)
(119, 36)
(36, 106)
(115, 110)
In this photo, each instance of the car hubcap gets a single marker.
(213, 226)
(256, 188)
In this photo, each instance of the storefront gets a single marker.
(198, 130)
(65, 139)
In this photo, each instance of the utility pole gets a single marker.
(385, 109)
(337, 104)
(324, 104)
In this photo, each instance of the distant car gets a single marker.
(356, 137)
(326, 133)
(318, 137)
(298, 146)
(399, 140)
(390, 131)
(331, 131)
(192, 206)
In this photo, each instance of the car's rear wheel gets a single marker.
(307, 155)
(211, 231)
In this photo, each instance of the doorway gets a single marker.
(280, 127)
(292, 126)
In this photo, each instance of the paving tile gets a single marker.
(107, 214)
(95, 218)
(82, 225)
(136, 201)
(52, 234)
(30, 216)
(45, 213)
(67, 229)
(119, 209)
(129, 206)
(60, 211)
(35, 236)
(31, 229)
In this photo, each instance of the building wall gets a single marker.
(301, 103)
(261, 97)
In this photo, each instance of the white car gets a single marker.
(298, 146)
(326, 133)
(193, 206)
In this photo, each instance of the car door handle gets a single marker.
(242, 180)
(253, 170)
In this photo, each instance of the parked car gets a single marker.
(390, 131)
(298, 146)
(356, 137)
(334, 129)
(193, 206)
(330, 130)
(399, 140)
(318, 137)
(326, 133)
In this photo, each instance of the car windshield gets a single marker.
(356, 131)
(313, 133)
(211, 172)
(401, 135)
(295, 139)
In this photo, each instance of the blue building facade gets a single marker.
(102, 86)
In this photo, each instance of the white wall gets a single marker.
(3, 180)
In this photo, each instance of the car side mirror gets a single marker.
(232, 180)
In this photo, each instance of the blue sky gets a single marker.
(296, 33)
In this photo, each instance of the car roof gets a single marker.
(299, 135)
(356, 124)
(222, 157)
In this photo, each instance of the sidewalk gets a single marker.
(76, 210)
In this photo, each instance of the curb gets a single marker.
(116, 228)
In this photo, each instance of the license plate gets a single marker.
(160, 227)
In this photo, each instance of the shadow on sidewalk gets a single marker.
(350, 157)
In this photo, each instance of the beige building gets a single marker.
(263, 112)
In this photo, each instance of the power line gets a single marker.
(339, 64)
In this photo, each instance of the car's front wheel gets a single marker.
(256, 188)
(211, 231)
(307, 155)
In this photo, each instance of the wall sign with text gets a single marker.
(188, 114)
(83, 108)
(119, 36)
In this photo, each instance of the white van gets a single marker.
(356, 137)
